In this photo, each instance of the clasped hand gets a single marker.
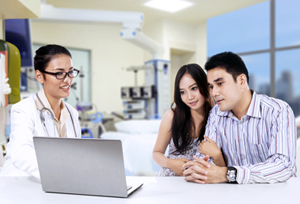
(177, 165)
(201, 171)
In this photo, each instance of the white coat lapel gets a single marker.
(50, 125)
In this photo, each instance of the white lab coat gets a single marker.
(25, 123)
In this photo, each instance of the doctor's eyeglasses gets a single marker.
(62, 75)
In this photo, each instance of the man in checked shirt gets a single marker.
(256, 133)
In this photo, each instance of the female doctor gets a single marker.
(44, 113)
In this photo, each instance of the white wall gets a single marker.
(110, 55)
(179, 36)
(201, 44)
(155, 31)
(183, 44)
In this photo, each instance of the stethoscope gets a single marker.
(43, 120)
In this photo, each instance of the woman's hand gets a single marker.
(177, 165)
(210, 148)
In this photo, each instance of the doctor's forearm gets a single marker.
(24, 158)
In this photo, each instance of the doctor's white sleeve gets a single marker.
(20, 148)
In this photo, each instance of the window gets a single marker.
(238, 31)
(258, 66)
(287, 16)
(267, 37)
(287, 78)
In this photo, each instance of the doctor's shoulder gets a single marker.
(26, 105)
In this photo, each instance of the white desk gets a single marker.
(158, 190)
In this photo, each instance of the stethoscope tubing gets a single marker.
(42, 118)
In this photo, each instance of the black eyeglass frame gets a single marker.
(66, 73)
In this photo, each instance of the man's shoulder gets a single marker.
(214, 111)
(215, 108)
(272, 103)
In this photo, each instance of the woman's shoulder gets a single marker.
(26, 104)
(168, 115)
(167, 119)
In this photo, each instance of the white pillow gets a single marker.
(138, 126)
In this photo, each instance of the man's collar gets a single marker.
(224, 113)
(254, 108)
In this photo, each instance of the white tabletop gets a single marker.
(158, 190)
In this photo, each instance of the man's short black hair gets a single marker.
(231, 62)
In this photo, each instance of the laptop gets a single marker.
(82, 166)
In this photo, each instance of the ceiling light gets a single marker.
(169, 5)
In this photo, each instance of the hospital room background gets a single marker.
(128, 59)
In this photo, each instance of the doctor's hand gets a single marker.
(177, 165)
(201, 171)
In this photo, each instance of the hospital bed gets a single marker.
(138, 139)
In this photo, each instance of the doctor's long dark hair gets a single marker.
(183, 126)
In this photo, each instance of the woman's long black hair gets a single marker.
(183, 125)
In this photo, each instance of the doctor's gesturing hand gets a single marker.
(201, 171)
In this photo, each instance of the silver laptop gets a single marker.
(82, 166)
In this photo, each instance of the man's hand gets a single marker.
(177, 165)
(201, 171)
